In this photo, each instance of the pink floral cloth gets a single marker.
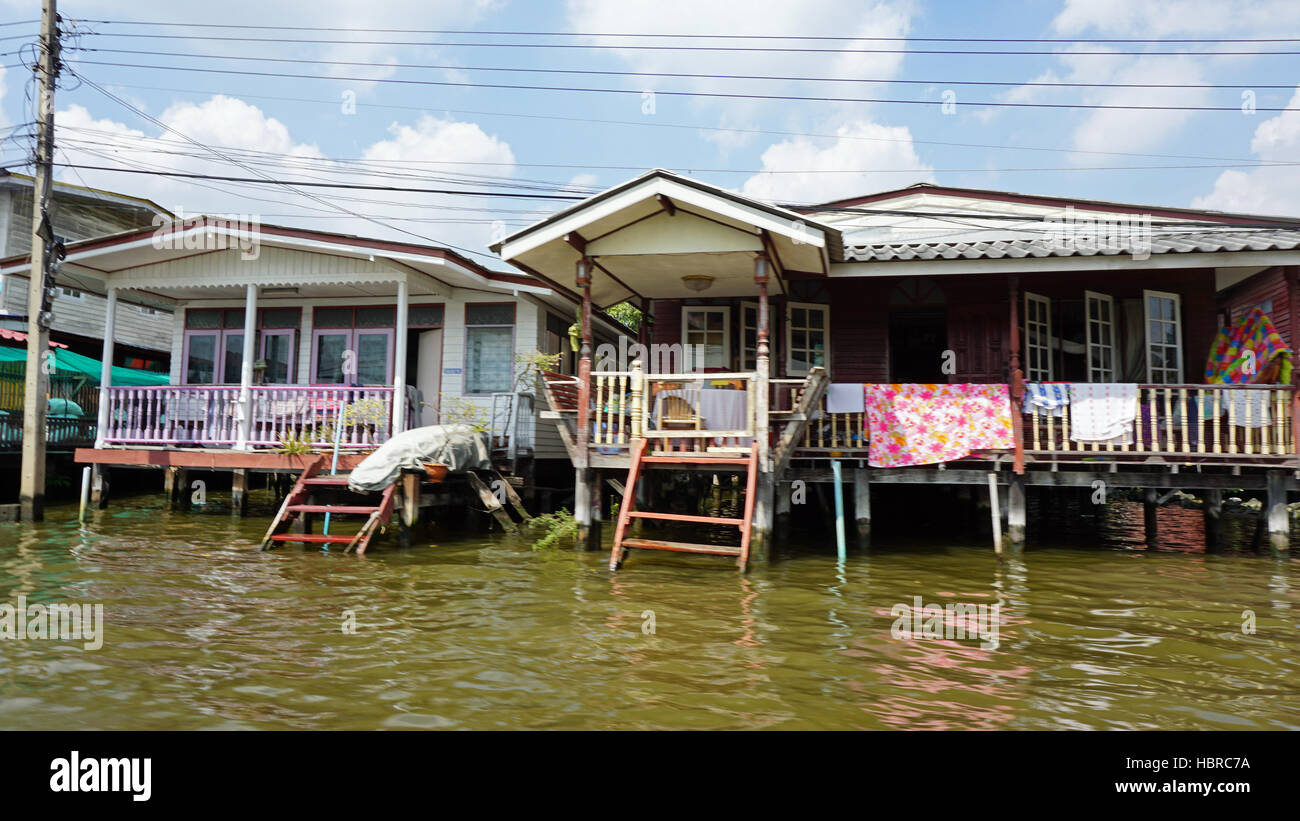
(925, 424)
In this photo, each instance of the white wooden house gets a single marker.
(420, 331)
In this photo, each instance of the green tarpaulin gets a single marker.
(68, 363)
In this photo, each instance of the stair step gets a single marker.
(325, 480)
(695, 459)
(367, 509)
(685, 517)
(314, 538)
(683, 547)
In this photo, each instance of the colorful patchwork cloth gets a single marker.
(1103, 412)
(1247, 352)
(926, 424)
(1046, 397)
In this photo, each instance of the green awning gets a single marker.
(68, 363)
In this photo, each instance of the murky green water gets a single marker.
(204, 631)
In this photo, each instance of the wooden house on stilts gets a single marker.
(926, 335)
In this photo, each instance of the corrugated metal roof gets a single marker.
(1181, 242)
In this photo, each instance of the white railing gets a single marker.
(1243, 421)
(208, 415)
(676, 408)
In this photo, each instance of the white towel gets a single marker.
(1103, 412)
(1246, 408)
(845, 397)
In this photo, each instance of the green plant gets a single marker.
(298, 442)
(559, 526)
(365, 412)
(457, 410)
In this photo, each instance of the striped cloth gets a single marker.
(1046, 397)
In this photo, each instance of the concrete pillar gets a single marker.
(1279, 521)
(1016, 512)
(862, 505)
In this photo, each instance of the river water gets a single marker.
(201, 630)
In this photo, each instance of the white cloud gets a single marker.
(1165, 18)
(1269, 190)
(857, 162)
(880, 18)
(1137, 130)
(421, 154)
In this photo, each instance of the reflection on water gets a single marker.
(204, 631)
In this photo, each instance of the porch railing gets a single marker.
(672, 410)
(1185, 422)
(209, 415)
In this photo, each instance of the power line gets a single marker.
(645, 123)
(626, 47)
(266, 177)
(378, 168)
(317, 184)
(689, 36)
(686, 75)
(708, 94)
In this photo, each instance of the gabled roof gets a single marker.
(990, 195)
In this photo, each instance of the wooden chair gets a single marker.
(675, 413)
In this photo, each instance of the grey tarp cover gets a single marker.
(460, 447)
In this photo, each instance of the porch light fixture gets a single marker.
(697, 282)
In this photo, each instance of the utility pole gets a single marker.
(36, 392)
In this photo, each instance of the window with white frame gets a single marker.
(807, 337)
(70, 293)
(707, 329)
(489, 347)
(1100, 310)
(1038, 338)
(1164, 337)
(749, 334)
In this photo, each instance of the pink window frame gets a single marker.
(293, 350)
(352, 334)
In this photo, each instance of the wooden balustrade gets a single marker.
(207, 415)
(1184, 422)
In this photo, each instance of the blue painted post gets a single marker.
(334, 465)
(839, 509)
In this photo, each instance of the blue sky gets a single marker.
(419, 135)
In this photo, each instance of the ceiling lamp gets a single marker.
(697, 282)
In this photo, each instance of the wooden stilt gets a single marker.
(176, 484)
(239, 492)
(781, 523)
(1213, 509)
(1279, 521)
(862, 505)
(1149, 521)
(1016, 512)
(99, 487)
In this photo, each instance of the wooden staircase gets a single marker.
(299, 503)
(690, 461)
